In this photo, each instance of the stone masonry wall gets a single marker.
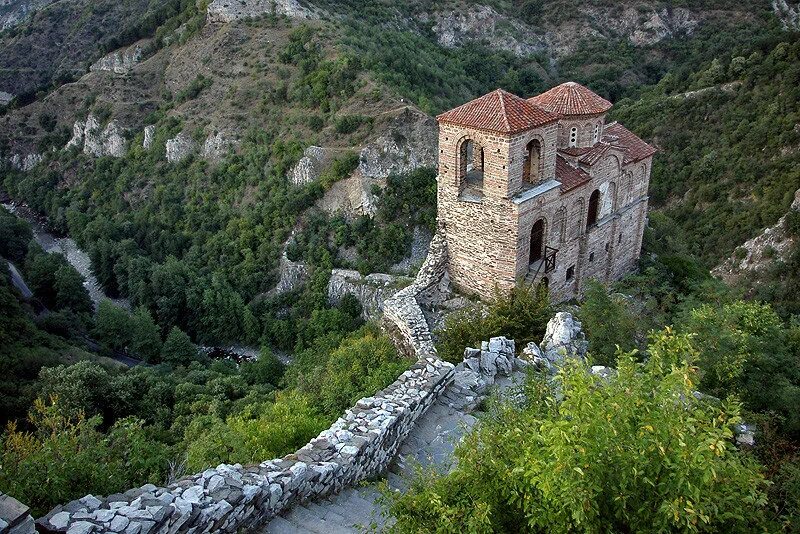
(359, 445)
(403, 318)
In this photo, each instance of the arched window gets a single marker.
(537, 241)
(597, 133)
(573, 136)
(469, 177)
(532, 164)
(594, 204)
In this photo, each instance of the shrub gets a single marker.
(633, 453)
(609, 324)
(521, 315)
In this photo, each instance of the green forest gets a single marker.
(195, 248)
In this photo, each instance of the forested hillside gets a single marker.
(178, 175)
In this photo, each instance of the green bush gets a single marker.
(522, 315)
(633, 453)
(609, 325)
(261, 432)
(65, 457)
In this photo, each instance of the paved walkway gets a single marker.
(359, 509)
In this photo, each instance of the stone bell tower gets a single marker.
(540, 191)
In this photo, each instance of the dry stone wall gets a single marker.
(359, 445)
(403, 317)
(371, 290)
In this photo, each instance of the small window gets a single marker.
(573, 136)
(570, 273)
(591, 256)
(596, 133)
(619, 239)
(608, 247)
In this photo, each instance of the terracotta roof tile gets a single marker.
(635, 149)
(571, 98)
(569, 176)
(498, 111)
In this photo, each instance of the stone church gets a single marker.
(541, 190)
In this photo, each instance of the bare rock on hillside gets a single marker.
(180, 147)
(315, 159)
(96, 141)
(149, 135)
(5, 98)
(25, 163)
(231, 10)
(120, 61)
(772, 244)
(788, 15)
(217, 146)
(410, 141)
(15, 12)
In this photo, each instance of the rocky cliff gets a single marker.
(771, 245)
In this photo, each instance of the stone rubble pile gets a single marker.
(15, 517)
(563, 339)
(359, 445)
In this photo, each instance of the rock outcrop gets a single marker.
(371, 290)
(788, 15)
(563, 339)
(15, 12)
(771, 245)
(411, 141)
(309, 168)
(5, 98)
(217, 146)
(25, 163)
(292, 274)
(149, 135)
(180, 147)
(120, 61)
(93, 141)
(231, 10)
(483, 23)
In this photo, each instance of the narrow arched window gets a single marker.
(597, 133)
(532, 164)
(573, 136)
(594, 204)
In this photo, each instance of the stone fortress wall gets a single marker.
(359, 445)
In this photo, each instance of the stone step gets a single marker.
(279, 525)
(305, 518)
(326, 511)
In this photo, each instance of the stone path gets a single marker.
(359, 509)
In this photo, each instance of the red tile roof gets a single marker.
(569, 176)
(571, 98)
(498, 111)
(635, 149)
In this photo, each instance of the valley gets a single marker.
(263, 180)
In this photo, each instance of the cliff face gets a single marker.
(15, 12)
(771, 245)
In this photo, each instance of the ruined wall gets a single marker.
(403, 318)
(359, 445)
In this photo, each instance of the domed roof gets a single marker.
(571, 98)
